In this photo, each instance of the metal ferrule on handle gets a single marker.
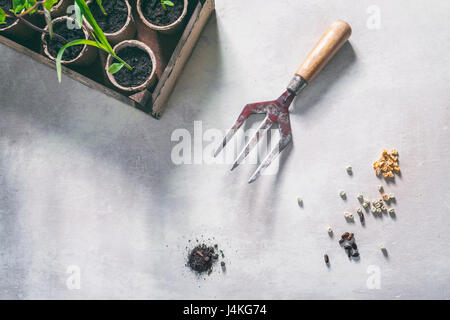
(297, 84)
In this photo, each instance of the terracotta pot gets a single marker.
(169, 29)
(87, 54)
(58, 10)
(132, 43)
(126, 32)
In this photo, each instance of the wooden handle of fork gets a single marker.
(333, 39)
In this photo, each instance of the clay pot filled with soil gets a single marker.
(118, 24)
(80, 55)
(14, 27)
(143, 61)
(168, 20)
(58, 10)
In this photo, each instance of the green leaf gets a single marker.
(169, 3)
(29, 4)
(48, 21)
(18, 5)
(2, 16)
(115, 67)
(78, 15)
(83, 42)
(48, 4)
(90, 19)
(99, 2)
(67, 45)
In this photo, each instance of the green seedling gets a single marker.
(99, 2)
(165, 3)
(100, 41)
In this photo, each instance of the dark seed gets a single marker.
(354, 246)
(222, 264)
(326, 258)
(355, 254)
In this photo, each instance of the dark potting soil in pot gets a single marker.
(141, 63)
(55, 44)
(116, 17)
(6, 5)
(154, 12)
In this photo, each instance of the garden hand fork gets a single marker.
(277, 110)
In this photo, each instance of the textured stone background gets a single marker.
(86, 181)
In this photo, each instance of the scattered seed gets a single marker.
(379, 210)
(382, 247)
(374, 209)
(300, 201)
(366, 204)
(380, 188)
(383, 208)
(391, 196)
(349, 169)
(385, 197)
(360, 197)
(330, 230)
(342, 194)
(359, 211)
(222, 264)
(326, 258)
(391, 210)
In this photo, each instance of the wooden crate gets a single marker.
(172, 53)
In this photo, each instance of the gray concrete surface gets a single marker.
(88, 190)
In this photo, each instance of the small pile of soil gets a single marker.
(154, 12)
(6, 5)
(55, 44)
(116, 17)
(141, 63)
(202, 258)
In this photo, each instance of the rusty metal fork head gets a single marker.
(277, 111)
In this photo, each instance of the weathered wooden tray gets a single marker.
(172, 53)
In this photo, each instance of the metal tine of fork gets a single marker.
(240, 120)
(284, 141)
(265, 125)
